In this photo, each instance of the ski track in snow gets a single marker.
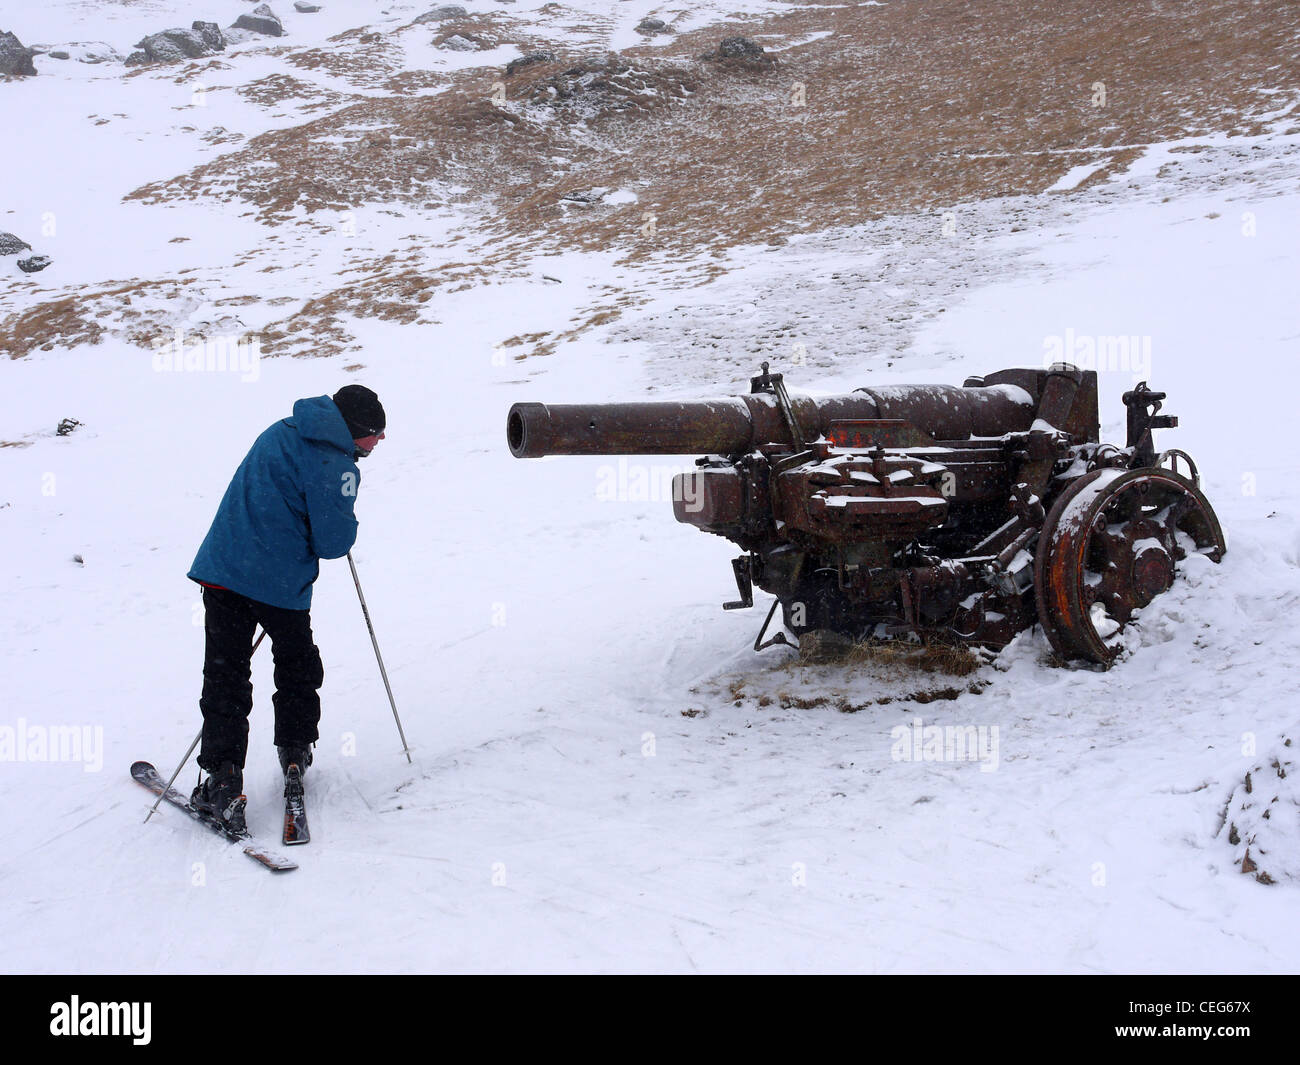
(563, 813)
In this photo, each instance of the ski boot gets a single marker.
(221, 797)
(294, 761)
(299, 756)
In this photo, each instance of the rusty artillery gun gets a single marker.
(967, 513)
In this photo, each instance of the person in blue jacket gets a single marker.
(289, 505)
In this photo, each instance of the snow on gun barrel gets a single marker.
(927, 509)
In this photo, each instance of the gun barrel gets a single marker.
(719, 426)
(733, 425)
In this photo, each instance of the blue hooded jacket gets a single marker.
(288, 506)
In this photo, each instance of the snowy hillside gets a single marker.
(606, 777)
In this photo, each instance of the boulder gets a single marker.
(446, 11)
(261, 20)
(528, 61)
(137, 59)
(211, 35)
(11, 245)
(34, 263)
(457, 43)
(739, 48)
(741, 51)
(171, 46)
(304, 8)
(14, 57)
(650, 26)
(188, 41)
(58, 55)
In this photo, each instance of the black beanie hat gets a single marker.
(361, 410)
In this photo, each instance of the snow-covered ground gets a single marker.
(606, 777)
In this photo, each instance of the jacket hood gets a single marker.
(319, 419)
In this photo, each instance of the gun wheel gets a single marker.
(1110, 545)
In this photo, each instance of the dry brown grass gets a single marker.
(131, 308)
(61, 321)
(860, 676)
(365, 58)
(845, 705)
(898, 655)
(276, 89)
(392, 291)
(934, 656)
(918, 105)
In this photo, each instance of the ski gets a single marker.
(144, 773)
(295, 808)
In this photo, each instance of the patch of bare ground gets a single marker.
(376, 59)
(185, 72)
(859, 676)
(914, 105)
(363, 57)
(276, 89)
(139, 311)
(392, 290)
(917, 105)
(401, 150)
(935, 656)
(922, 104)
(59, 321)
(383, 150)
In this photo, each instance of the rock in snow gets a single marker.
(304, 8)
(34, 264)
(160, 48)
(528, 61)
(14, 57)
(446, 11)
(741, 48)
(650, 26)
(171, 46)
(210, 32)
(11, 245)
(261, 20)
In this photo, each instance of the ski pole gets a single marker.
(154, 808)
(378, 657)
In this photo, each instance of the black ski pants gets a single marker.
(227, 699)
